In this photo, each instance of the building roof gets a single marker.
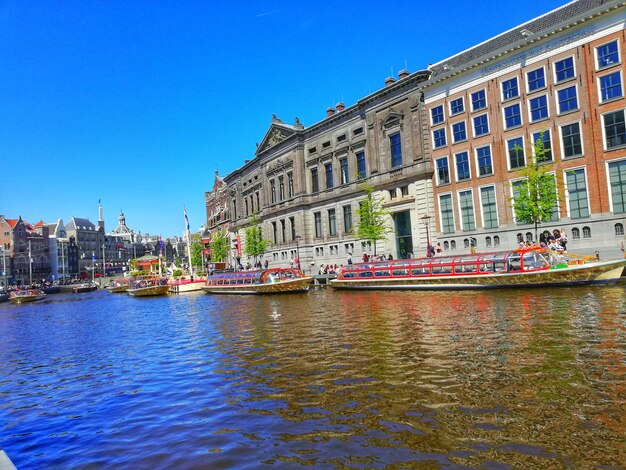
(77, 223)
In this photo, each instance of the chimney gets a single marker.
(403, 74)
(389, 81)
(330, 111)
(340, 107)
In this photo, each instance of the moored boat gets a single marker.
(118, 285)
(267, 281)
(530, 267)
(186, 285)
(148, 286)
(84, 287)
(27, 295)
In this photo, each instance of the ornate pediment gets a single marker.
(277, 132)
(392, 119)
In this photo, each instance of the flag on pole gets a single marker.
(186, 219)
(160, 244)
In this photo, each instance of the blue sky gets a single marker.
(137, 103)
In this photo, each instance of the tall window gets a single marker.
(481, 125)
(547, 145)
(318, 224)
(607, 54)
(292, 225)
(360, 165)
(329, 175)
(577, 193)
(568, 101)
(610, 86)
(347, 218)
(572, 145)
(564, 69)
(447, 213)
(281, 188)
(510, 89)
(479, 101)
(617, 181)
(315, 181)
(290, 184)
(538, 108)
(332, 222)
(436, 114)
(467, 210)
(273, 191)
(283, 231)
(490, 211)
(443, 172)
(462, 166)
(439, 137)
(483, 156)
(275, 232)
(458, 132)
(396, 150)
(536, 79)
(614, 129)
(343, 163)
(516, 153)
(517, 187)
(456, 106)
(512, 116)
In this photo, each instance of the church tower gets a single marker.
(100, 217)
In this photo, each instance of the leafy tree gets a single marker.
(537, 192)
(196, 251)
(372, 225)
(255, 244)
(220, 245)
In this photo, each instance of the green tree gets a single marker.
(536, 194)
(196, 251)
(220, 245)
(373, 218)
(255, 244)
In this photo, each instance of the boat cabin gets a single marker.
(266, 276)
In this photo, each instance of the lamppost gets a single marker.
(4, 267)
(426, 220)
(297, 238)
(104, 264)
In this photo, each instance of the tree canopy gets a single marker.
(255, 245)
(373, 217)
(220, 245)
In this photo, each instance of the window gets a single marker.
(332, 222)
(481, 125)
(290, 184)
(586, 232)
(547, 145)
(487, 241)
(272, 192)
(347, 219)
(275, 232)
(318, 224)
(617, 182)
(396, 150)
(462, 166)
(619, 229)
(443, 172)
(577, 193)
(458, 132)
(517, 187)
(483, 156)
(510, 89)
(564, 69)
(436, 114)
(292, 224)
(283, 231)
(329, 175)
(610, 86)
(404, 190)
(490, 211)
(467, 210)
(360, 165)
(512, 116)
(614, 129)
(516, 153)
(357, 131)
(439, 138)
(453, 245)
(607, 54)
(456, 106)
(447, 214)
(479, 101)
(341, 138)
(343, 163)
(536, 79)
(315, 183)
(572, 145)
(496, 240)
(281, 188)
(575, 233)
(538, 108)
(568, 100)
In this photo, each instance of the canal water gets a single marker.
(499, 379)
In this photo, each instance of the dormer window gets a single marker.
(326, 144)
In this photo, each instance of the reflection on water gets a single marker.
(525, 378)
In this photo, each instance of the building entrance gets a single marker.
(404, 239)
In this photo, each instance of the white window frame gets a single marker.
(608, 179)
(521, 115)
(486, 108)
(506, 149)
(443, 110)
(469, 166)
(621, 79)
(439, 196)
(623, 110)
(554, 79)
(433, 138)
(450, 106)
(439, 183)
(514, 180)
(464, 121)
(532, 139)
(529, 111)
(562, 145)
(545, 79)
(480, 197)
(567, 205)
(558, 104)
(476, 148)
(458, 201)
(488, 125)
(595, 54)
(519, 92)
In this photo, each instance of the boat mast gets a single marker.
(188, 243)
(30, 265)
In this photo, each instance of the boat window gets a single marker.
(465, 268)
(239, 281)
(423, 271)
(487, 267)
(514, 262)
(533, 260)
(445, 269)
(400, 272)
(383, 273)
(366, 274)
(349, 275)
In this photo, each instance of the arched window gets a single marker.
(496, 240)
(586, 232)
(529, 237)
(520, 238)
(453, 245)
(446, 245)
(466, 243)
(575, 233)
(619, 230)
(487, 241)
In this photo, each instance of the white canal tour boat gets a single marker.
(266, 281)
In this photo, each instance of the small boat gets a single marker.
(118, 285)
(178, 286)
(84, 287)
(148, 286)
(27, 295)
(267, 281)
(527, 267)
(4, 296)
